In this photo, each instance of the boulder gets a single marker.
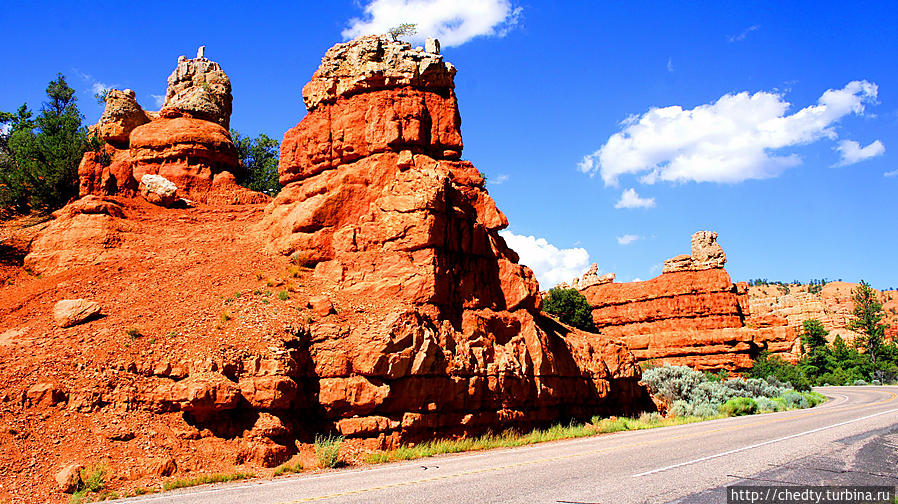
(83, 232)
(158, 190)
(321, 306)
(68, 479)
(70, 312)
(44, 394)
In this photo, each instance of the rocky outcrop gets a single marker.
(706, 254)
(694, 315)
(121, 115)
(377, 199)
(200, 88)
(85, 231)
(590, 278)
(187, 142)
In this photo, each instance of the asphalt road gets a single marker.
(851, 439)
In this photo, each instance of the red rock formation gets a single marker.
(693, 315)
(187, 142)
(378, 200)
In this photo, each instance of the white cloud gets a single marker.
(670, 65)
(728, 141)
(99, 87)
(4, 129)
(627, 239)
(741, 36)
(852, 152)
(893, 173)
(159, 99)
(637, 279)
(96, 86)
(454, 22)
(630, 199)
(550, 264)
(500, 179)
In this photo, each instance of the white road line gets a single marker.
(737, 450)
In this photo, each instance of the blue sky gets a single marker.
(610, 131)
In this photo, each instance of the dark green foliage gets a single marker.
(813, 335)
(259, 158)
(772, 365)
(866, 319)
(39, 156)
(570, 307)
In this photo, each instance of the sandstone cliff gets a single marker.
(692, 314)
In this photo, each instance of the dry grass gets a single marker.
(512, 438)
(206, 479)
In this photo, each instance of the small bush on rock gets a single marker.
(570, 307)
(327, 450)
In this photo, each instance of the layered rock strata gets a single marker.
(692, 315)
(831, 304)
(379, 202)
(187, 142)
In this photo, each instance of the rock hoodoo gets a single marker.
(692, 314)
(706, 254)
(187, 142)
(377, 199)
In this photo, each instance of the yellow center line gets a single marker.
(892, 397)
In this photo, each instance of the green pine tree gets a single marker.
(570, 307)
(39, 156)
(866, 319)
(259, 158)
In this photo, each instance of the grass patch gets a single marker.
(288, 469)
(205, 480)
(283, 295)
(302, 260)
(327, 450)
(133, 333)
(93, 481)
(224, 317)
(511, 438)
